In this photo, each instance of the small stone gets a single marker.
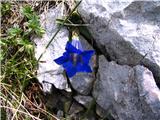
(75, 108)
(82, 82)
(84, 100)
(149, 93)
(101, 112)
(60, 114)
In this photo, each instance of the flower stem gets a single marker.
(58, 30)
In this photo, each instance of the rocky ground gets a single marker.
(126, 37)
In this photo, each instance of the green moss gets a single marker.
(3, 114)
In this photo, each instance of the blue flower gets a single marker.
(75, 59)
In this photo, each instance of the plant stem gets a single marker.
(58, 30)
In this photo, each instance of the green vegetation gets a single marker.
(5, 8)
(17, 55)
(20, 92)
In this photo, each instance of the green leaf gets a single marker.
(5, 8)
(34, 25)
(27, 11)
(39, 31)
(15, 31)
(27, 45)
(3, 114)
(29, 49)
(2, 43)
(1, 56)
(27, 32)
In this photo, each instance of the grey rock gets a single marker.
(75, 108)
(48, 71)
(84, 100)
(129, 93)
(149, 94)
(115, 87)
(60, 114)
(53, 100)
(68, 95)
(101, 112)
(56, 100)
(128, 32)
(104, 114)
(82, 82)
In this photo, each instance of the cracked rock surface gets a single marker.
(84, 100)
(125, 85)
(129, 93)
(129, 32)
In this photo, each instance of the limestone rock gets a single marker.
(82, 82)
(75, 108)
(129, 93)
(48, 71)
(84, 100)
(128, 32)
(149, 94)
(101, 112)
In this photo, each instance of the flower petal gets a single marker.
(71, 49)
(86, 56)
(79, 67)
(62, 59)
(77, 44)
(83, 68)
(87, 68)
(70, 69)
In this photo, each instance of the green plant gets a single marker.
(5, 8)
(33, 23)
(27, 11)
(14, 32)
(18, 64)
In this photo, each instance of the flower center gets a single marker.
(75, 58)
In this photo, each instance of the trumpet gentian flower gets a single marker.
(75, 59)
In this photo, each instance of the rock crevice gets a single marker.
(127, 30)
(126, 36)
(131, 91)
